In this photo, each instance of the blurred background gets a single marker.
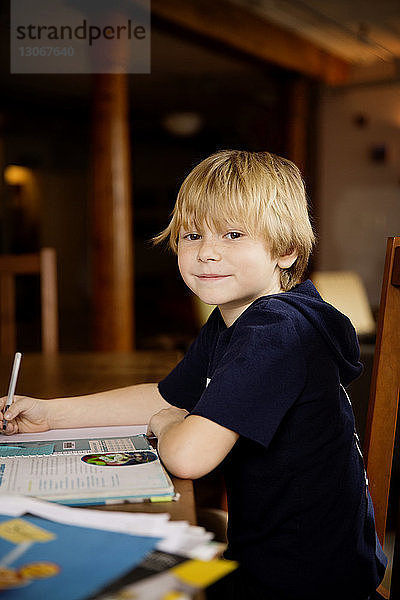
(315, 81)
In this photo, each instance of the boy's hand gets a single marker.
(25, 415)
(163, 420)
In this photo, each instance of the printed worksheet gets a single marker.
(85, 470)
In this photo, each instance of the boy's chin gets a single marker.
(210, 300)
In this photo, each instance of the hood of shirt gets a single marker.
(335, 328)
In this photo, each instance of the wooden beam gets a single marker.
(249, 33)
(111, 216)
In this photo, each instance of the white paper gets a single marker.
(134, 523)
(177, 536)
(80, 433)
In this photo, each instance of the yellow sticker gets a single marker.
(19, 531)
(10, 579)
(174, 595)
(201, 573)
(39, 570)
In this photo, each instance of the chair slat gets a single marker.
(384, 394)
(44, 264)
(20, 264)
(48, 269)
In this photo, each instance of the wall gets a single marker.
(64, 226)
(359, 184)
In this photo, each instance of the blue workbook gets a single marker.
(44, 559)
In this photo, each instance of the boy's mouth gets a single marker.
(212, 276)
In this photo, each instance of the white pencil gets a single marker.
(11, 387)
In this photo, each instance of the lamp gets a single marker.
(183, 124)
(17, 175)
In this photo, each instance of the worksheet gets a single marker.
(84, 470)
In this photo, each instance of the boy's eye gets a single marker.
(233, 235)
(192, 237)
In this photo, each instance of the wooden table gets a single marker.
(47, 376)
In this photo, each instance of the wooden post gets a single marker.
(8, 332)
(111, 216)
(298, 123)
(301, 143)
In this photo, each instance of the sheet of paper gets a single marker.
(83, 432)
(75, 445)
(134, 523)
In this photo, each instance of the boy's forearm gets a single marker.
(194, 447)
(132, 405)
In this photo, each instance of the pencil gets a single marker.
(11, 387)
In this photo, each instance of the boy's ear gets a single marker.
(286, 261)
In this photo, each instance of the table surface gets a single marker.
(69, 374)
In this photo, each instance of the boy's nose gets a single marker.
(208, 251)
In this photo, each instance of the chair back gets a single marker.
(385, 387)
(43, 263)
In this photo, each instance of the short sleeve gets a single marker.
(186, 382)
(257, 380)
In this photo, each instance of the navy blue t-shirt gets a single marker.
(297, 497)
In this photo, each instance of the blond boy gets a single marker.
(261, 389)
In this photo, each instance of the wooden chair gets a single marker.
(42, 263)
(383, 404)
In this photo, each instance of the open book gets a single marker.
(83, 470)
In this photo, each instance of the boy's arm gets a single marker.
(190, 446)
(132, 405)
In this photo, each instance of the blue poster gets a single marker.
(44, 559)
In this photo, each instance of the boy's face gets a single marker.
(228, 268)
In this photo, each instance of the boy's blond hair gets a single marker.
(259, 191)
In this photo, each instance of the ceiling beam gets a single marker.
(245, 31)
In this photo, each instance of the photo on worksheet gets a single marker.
(119, 459)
